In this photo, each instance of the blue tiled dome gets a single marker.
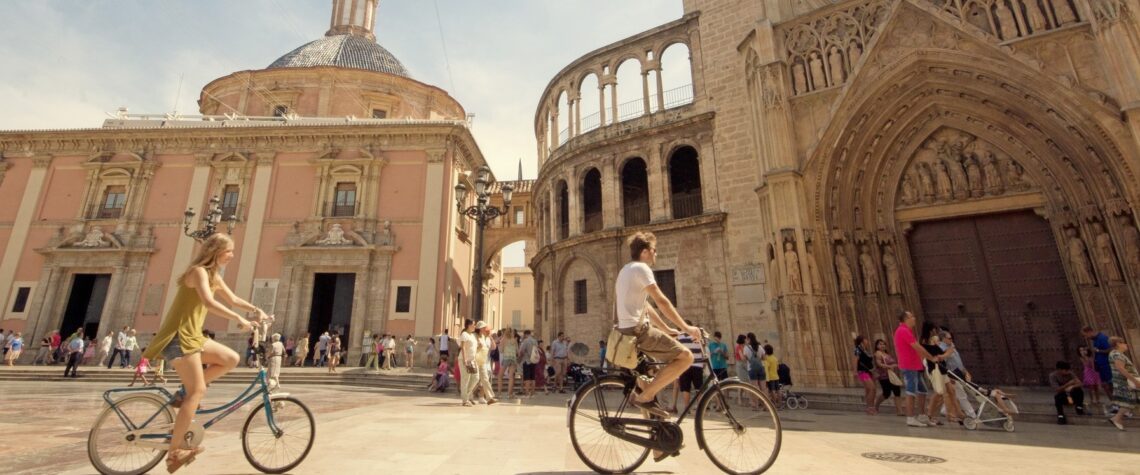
(343, 51)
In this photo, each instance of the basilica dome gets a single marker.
(343, 51)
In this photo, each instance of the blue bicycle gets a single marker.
(132, 434)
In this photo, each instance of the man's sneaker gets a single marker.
(913, 422)
(1061, 420)
(650, 407)
(923, 419)
(1080, 410)
(467, 404)
(492, 401)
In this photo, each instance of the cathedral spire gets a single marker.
(353, 17)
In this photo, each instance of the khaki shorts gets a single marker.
(655, 343)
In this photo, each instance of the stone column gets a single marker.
(185, 246)
(610, 197)
(574, 195)
(601, 104)
(658, 191)
(255, 219)
(645, 91)
(19, 235)
(432, 214)
(660, 90)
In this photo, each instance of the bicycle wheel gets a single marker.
(601, 451)
(108, 447)
(272, 452)
(739, 437)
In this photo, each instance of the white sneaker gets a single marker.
(482, 401)
(923, 419)
(912, 422)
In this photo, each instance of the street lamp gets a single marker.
(481, 213)
(209, 221)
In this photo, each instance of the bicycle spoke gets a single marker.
(737, 438)
(600, 450)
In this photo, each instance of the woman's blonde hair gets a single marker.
(1112, 342)
(207, 258)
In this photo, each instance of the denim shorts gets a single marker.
(914, 382)
(173, 350)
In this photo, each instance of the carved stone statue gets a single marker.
(843, 270)
(909, 191)
(974, 174)
(335, 237)
(815, 64)
(799, 78)
(792, 263)
(94, 238)
(1006, 23)
(945, 186)
(813, 271)
(1079, 259)
(926, 182)
(993, 177)
(1107, 10)
(855, 53)
(1130, 242)
(870, 271)
(1015, 176)
(1106, 255)
(835, 61)
(1064, 12)
(1035, 18)
(891, 268)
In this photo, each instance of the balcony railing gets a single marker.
(593, 222)
(340, 210)
(637, 214)
(108, 213)
(687, 204)
(633, 109)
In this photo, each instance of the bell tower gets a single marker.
(353, 17)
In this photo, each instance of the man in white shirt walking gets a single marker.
(561, 349)
(443, 344)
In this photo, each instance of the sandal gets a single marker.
(650, 407)
(179, 395)
(173, 462)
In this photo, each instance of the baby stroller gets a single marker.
(579, 374)
(995, 408)
(792, 400)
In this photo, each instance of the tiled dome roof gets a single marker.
(343, 51)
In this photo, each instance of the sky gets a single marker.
(68, 63)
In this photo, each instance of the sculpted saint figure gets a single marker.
(891, 267)
(1015, 176)
(945, 186)
(799, 78)
(792, 262)
(835, 61)
(1036, 19)
(909, 192)
(926, 181)
(1006, 23)
(1130, 242)
(993, 177)
(1078, 258)
(1065, 14)
(870, 271)
(813, 271)
(855, 52)
(818, 80)
(1105, 254)
(843, 270)
(974, 174)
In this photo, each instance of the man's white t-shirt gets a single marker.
(443, 342)
(632, 281)
(467, 344)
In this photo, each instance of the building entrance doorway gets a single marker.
(85, 304)
(998, 283)
(332, 308)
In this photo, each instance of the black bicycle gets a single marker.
(736, 424)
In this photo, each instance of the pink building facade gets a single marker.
(338, 166)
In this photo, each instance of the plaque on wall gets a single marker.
(748, 274)
(265, 294)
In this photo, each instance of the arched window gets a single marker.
(635, 192)
(563, 211)
(630, 90)
(564, 115)
(685, 182)
(592, 201)
(589, 104)
(676, 76)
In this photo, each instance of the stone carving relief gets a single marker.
(338, 236)
(1002, 19)
(1106, 255)
(1107, 11)
(1130, 243)
(843, 270)
(955, 166)
(870, 271)
(813, 270)
(1077, 254)
(792, 264)
(891, 269)
(824, 49)
(94, 238)
(97, 238)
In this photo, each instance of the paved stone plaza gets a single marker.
(395, 431)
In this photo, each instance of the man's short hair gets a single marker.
(526, 332)
(716, 334)
(1064, 365)
(1087, 329)
(640, 242)
(902, 314)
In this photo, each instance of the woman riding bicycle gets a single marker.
(181, 342)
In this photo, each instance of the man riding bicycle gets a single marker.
(636, 317)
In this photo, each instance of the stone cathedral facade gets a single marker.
(833, 162)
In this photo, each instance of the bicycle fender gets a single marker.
(273, 396)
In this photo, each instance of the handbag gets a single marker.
(894, 378)
(937, 379)
(621, 350)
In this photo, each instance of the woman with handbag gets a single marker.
(936, 371)
(864, 364)
(1125, 381)
(886, 371)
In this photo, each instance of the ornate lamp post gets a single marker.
(209, 221)
(482, 213)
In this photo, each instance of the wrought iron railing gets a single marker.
(340, 210)
(637, 213)
(687, 204)
(675, 97)
(593, 222)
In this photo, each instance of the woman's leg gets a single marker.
(219, 360)
(189, 369)
(511, 380)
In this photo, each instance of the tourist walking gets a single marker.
(302, 351)
(375, 354)
(886, 371)
(508, 362)
(954, 365)
(105, 347)
(560, 348)
(444, 344)
(484, 346)
(131, 344)
(290, 347)
(529, 355)
(88, 351)
(864, 364)
(691, 380)
(75, 346)
(718, 356)
(276, 356)
(754, 354)
(333, 354)
(323, 349)
(936, 370)
(911, 355)
(468, 371)
(366, 347)
(772, 373)
(1101, 347)
(1125, 381)
(740, 362)
(180, 338)
(43, 354)
(15, 346)
(1090, 378)
(140, 372)
(1066, 391)
(120, 347)
(390, 349)
(53, 347)
(430, 353)
(540, 379)
(409, 351)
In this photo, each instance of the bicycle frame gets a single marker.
(257, 388)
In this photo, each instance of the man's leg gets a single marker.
(125, 360)
(1078, 396)
(1059, 401)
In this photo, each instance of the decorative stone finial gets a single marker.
(353, 17)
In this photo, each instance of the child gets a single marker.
(772, 374)
(140, 372)
(1090, 379)
(439, 382)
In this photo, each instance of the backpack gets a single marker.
(534, 356)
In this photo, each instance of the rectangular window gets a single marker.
(518, 281)
(403, 299)
(344, 203)
(580, 296)
(379, 114)
(21, 301)
(114, 199)
(229, 201)
(280, 111)
(520, 215)
(516, 319)
(666, 283)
